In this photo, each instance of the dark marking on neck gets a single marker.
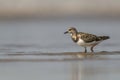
(75, 38)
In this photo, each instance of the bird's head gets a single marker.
(71, 31)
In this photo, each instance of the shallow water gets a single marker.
(37, 49)
(63, 67)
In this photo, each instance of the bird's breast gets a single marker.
(83, 43)
(80, 42)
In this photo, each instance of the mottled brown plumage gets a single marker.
(90, 37)
(85, 39)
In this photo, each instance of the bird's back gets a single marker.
(103, 37)
(91, 37)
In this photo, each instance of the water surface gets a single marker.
(23, 40)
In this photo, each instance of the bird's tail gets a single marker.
(103, 37)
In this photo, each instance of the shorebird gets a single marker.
(85, 39)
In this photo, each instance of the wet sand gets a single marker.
(66, 66)
(66, 56)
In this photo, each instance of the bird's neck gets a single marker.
(74, 37)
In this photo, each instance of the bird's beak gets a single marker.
(66, 32)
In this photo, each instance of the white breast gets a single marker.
(82, 43)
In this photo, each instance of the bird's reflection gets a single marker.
(76, 69)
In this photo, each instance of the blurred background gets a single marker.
(32, 8)
(28, 27)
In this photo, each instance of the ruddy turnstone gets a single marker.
(85, 39)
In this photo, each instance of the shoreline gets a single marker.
(59, 57)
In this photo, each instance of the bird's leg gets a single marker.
(85, 50)
(92, 48)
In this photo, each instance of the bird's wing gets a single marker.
(88, 37)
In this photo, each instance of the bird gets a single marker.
(85, 39)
